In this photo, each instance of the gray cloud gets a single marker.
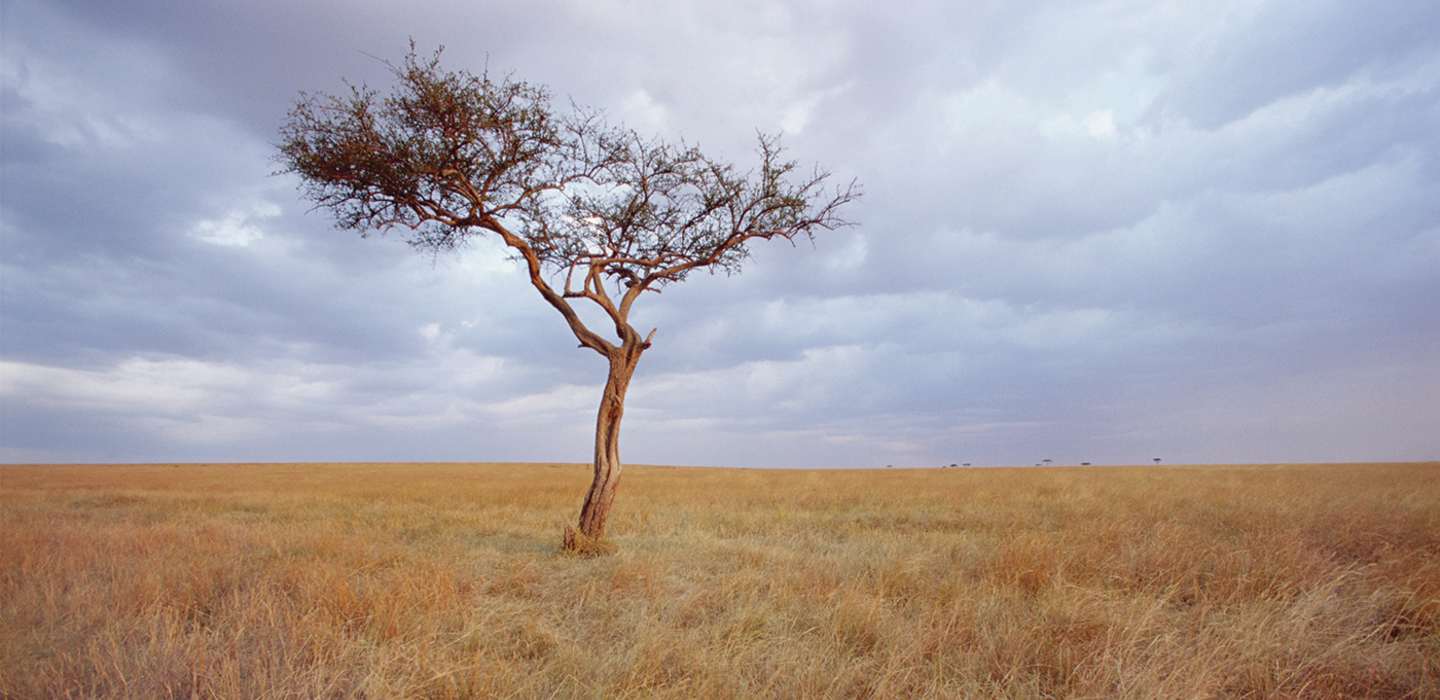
(1092, 231)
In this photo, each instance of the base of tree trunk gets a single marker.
(578, 543)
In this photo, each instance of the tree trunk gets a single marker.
(596, 510)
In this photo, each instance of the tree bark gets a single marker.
(596, 510)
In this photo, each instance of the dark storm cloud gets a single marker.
(1273, 49)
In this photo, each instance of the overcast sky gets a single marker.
(1199, 230)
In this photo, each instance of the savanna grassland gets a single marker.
(446, 581)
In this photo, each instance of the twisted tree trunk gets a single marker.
(596, 510)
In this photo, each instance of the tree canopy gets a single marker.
(450, 155)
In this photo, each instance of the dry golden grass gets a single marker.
(446, 581)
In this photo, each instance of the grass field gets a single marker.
(446, 581)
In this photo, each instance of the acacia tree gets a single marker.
(595, 212)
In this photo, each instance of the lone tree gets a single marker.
(595, 212)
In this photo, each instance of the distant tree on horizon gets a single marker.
(594, 212)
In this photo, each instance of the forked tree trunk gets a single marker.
(596, 510)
